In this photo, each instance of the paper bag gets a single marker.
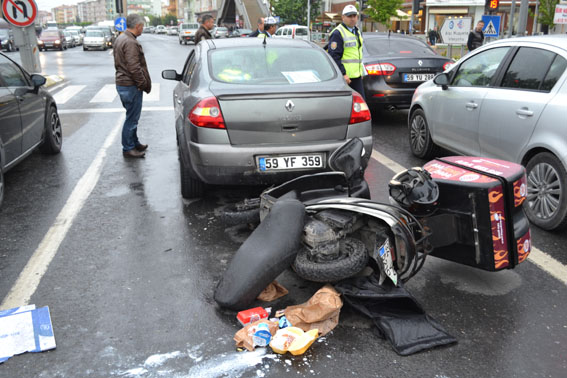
(272, 292)
(243, 337)
(320, 312)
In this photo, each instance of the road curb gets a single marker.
(53, 80)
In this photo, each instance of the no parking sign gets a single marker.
(20, 13)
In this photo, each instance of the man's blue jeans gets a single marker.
(131, 99)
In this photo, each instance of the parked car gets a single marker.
(160, 29)
(147, 30)
(187, 32)
(250, 114)
(109, 36)
(69, 40)
(77, 36)
(504, 100)
(220, 32)
(7, 38)
(173, 30)
(28, 117)
(94, 39)
(51, 39)
(293, 31)
(396, 65)
(240, 33)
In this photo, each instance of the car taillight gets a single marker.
(360, 111)
(384, 69)
(448, 64)
(207, 113)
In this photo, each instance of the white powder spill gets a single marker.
(288, 362)
(136, 372)
(260, 373)
(159, 359)
(230, 365)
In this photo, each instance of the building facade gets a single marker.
(92, 10)
(65, 14)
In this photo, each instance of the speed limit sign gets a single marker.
(20, 13)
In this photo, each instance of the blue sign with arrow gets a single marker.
(120, 24)
(491, 26)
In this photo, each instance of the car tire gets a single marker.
(53, 134)
(546, 204)
(353, 259)
(61, 48)
(420, 141)
(8, 48)
(85, 49)
(190, 187)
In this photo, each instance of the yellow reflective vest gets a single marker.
(352, 54)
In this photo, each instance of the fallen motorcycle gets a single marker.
(464, 209)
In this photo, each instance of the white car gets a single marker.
(160, 29)
(293, 31)
(94, 39)
(504, 100)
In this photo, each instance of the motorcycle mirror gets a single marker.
(348, 158)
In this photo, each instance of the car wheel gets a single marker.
(420, 140)
(546, 205)
(1, 185)
(52, 135)
(190, 187)
(84, 48)
(8, 48)
(61, 48)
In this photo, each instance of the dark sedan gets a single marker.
(28, 117)
(253, 113)
(396, 65)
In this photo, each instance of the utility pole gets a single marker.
(309, 19)
(536, 14)
(511, 24)
(523, 18)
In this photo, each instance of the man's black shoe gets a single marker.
(141, 147)
(133, 154)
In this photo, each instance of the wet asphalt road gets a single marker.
(130, 289)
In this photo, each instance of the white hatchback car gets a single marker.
(293, 31)
(504, 100)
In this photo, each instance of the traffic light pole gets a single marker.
(512, 12)
(523, 18)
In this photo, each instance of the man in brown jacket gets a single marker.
(132, 79)
(207, 24)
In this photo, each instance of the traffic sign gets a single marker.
(120, 24)
(560, 16)
(20, 13)
(491, 26)
(456, 30)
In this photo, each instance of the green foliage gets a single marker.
(546, 12)
(381, 10)
(167, 20)
(295, 11)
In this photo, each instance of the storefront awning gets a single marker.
(400, 16)
(435, 10)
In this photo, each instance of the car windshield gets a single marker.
(189, 26)
(4, 33)
(74, 32)
(271, 65)
(396, 46)
(93, 33)
(220, 28)
(50, 33)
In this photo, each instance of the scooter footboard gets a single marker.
(267, 252)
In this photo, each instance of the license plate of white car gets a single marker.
(278, 163)
(417, 77)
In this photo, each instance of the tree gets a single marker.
(381, 10)
(295, 11)
(546, 13)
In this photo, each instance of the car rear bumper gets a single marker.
(222, 164)
(384, 95)
(187, 37)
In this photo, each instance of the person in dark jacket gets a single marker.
(476, 37)
(132, 79)
(260, 29)
(207, 24)
(433, 36)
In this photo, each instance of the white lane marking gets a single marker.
(31, 275)
(544, 261)
(105, 94)
(57, 87)
(67, 93)
(115, 110)
(110, 52)
(154, 94)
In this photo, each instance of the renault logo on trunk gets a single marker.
(289, 105)
(420, 63)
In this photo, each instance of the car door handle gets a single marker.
(471, 105)
(524, 112)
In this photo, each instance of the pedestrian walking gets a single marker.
(207, 24)
(476, 37)
(260, 29)
(345, 47)
(433, 36)
(132, 79)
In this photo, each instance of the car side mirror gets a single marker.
(170, 75)
(442, 79)
(38, 80)
(348, 158)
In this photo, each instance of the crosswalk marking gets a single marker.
(106, 94)
(154, 94)
(67, 93)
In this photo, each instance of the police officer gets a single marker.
(270, 26)
(345, 47)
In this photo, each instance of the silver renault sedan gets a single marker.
(505, 100)
(249, 112)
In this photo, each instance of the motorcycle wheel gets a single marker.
(353, 258)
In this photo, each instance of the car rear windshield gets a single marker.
(189, 26)
(4, 33)
(93, 33)
(221, 28)
(270, 65)
(396, 46)
(50, 33)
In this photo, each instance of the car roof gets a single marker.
(241, 42)
(556, 40)
(382, 35)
